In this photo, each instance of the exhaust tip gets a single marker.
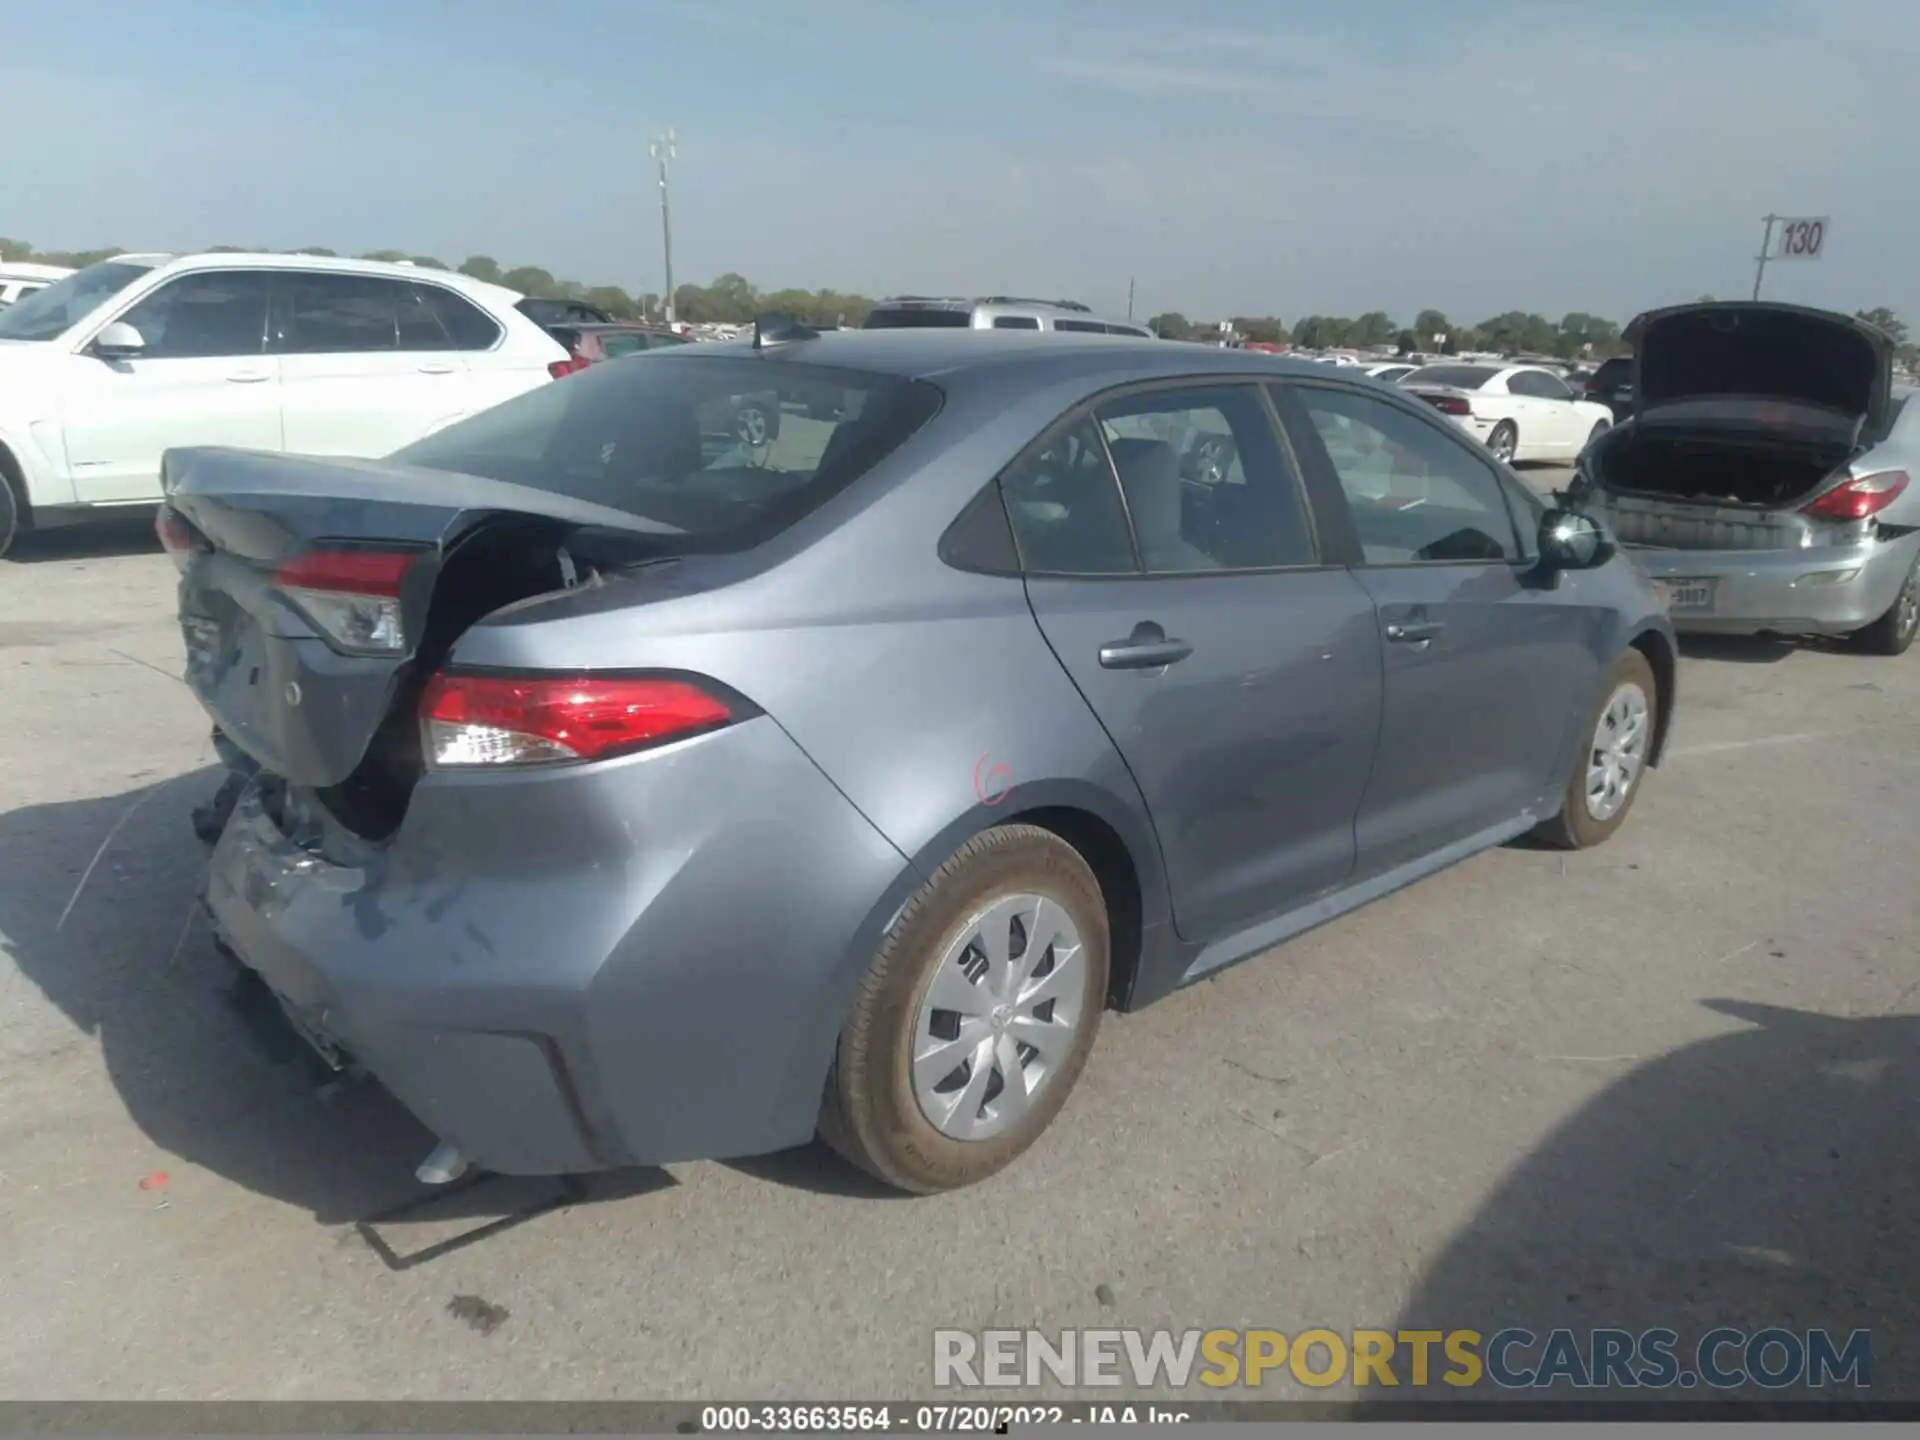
(444, 1166)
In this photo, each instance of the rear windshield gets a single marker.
(914, 317)
(1613, 371)
(1460, 377)
(703, 443)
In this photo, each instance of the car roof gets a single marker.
(325, 264)
(950, 355)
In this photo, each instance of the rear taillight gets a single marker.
(1451, 405)
(353, 596)
(477, 720)
(1860, 498)
(176, 536)
(560, 369)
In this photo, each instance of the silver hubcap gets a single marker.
(753, 427)
(1619, 750)
(1503, 444)
(999, 1017)
(1909, 604)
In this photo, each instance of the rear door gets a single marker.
(1236, 670)
(203, 379)
(365, 365)
(1485, 668)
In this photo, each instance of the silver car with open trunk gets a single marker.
(1764, 476)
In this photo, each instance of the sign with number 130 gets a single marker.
(1799, 237)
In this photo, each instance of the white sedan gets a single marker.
(1520, 412)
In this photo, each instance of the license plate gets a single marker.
(1690, 594)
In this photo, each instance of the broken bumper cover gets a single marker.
(636, 962)
(1827, 590)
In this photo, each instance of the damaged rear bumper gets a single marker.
(636, 962)
(1820, 590)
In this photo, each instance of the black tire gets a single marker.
(1893, 633)
(1576, 827)
(9, 516)
(1600, 427)
(1507, 434)
(869, 1112)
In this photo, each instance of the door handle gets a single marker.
(1148, 648)
(1413, 632)
(247, 377)
(431, 368)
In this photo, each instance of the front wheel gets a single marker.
(9, 516)
(976, 1016)
(1504, 442)
(1600, 427)
(1607, 769)
(1893, 633)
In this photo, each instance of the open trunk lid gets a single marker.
(313, 590)
(1762, 351)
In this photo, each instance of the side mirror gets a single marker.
(1572, 541)
(119, 341)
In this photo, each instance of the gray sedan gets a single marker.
(1765, 475)
(627, 796)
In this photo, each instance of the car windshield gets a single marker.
(49, 313)
(1459, 377)
(703, 443)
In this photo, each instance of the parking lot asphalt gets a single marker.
(1668, 1082)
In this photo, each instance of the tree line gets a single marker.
(733, 299)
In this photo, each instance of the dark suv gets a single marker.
(1612, 385)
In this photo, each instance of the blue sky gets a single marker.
(1232, 156)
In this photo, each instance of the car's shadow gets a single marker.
(201, 1067)
(98, 541)
(1741, 649)
(1766, 1177)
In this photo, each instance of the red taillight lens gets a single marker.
(473, 720)
(353, 596)
(560, 369)
(1452, 405)
(1861, 498)
(176, 536)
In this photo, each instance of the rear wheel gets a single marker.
(9, 516)
(1607, 769)
(976, 1016)
(1504, 442)
(1893, 633)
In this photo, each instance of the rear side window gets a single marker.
(468, 327)
(1015, 322)
(1081, 327)
(1208, 485)
(1065, 506)
(624, 342)
(321, 314)
(664, 441)
(916, 317)
(1460, 377)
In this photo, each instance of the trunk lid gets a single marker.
(313, 591)
(1763, 351)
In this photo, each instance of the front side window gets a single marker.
(49, 312)
(199, 316)
(1417, 494)
(1081, 327)
(624, 342)
(1207, 483)
(1065, 506)
(662, 441)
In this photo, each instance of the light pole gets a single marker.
(661, 147)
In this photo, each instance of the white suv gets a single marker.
(103, 371)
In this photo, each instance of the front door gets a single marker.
(1175, 571)
(1484, 666)
(202, 378)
